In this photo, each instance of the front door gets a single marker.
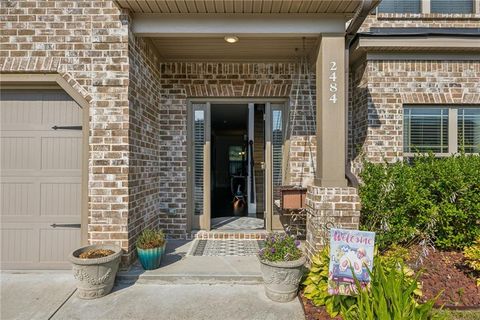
(264, 140)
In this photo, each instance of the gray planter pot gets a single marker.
(95, 277)
(281, 279)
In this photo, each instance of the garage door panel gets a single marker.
(43, 175)
(60, 199)
(61, 153)
(57, 243)
(18, 199)
(38, 108)
(20, 153)
(58, 110)
(19, 244)
(25, 111)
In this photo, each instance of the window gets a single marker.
(449, 6)
(441, 130)
(469, 130)
(400, 6)
(425, 129)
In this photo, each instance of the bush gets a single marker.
(392, 296)
(150, 239)
(433, 198)
(280, 247)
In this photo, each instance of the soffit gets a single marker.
(216, 49)
(241, 6)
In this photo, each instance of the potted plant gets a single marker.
(282, 265)
(95, 268)
(150, 248)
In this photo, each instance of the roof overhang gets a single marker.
(347, 7)
(276, 30)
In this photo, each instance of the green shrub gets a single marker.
(280, 247)
(391, 296)
(433, 198)
(316, 286)
(472, 258)
(150, 238)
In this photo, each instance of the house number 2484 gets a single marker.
(333, 86)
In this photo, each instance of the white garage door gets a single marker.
(40, 178)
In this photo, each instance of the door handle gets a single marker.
(67, 127)
(66, 225)
(262, 165)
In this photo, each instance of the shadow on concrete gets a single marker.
(176, 250)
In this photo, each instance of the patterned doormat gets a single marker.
(221, 248)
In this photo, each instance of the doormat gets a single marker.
(225, 248)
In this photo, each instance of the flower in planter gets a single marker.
(280, 247)
(281, 263)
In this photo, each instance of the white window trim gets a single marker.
(425, 7)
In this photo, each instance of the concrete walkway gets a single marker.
(34, 295)
(47, 295)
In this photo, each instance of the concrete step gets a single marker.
(179, 267)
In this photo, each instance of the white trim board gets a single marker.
(422, 56)
(175, 25)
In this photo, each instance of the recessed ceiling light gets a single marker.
(231, 39)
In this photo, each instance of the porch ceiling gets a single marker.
(214, 48)
(241, 6)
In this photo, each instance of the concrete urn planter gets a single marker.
(281, 279)
(95, 277)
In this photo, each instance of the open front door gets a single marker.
(199, 165)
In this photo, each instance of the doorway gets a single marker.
(235, 161)
(237, 185)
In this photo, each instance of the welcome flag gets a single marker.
(351, 253)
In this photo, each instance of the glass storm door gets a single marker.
(274, 146)
(199, 166)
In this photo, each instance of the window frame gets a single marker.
(421, 9)
(426, 8)
(452, 130)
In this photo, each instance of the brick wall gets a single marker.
(180, 81)
(329, 208)
(381, 88)
(145, 143)
(86, 42)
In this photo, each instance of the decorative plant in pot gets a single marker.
(282, 264)
(150, 248)
(95, 268)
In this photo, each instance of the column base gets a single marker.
(327, 207)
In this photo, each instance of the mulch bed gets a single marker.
(95, 253)
(441, 270)
(445, 270)
(312, 312)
